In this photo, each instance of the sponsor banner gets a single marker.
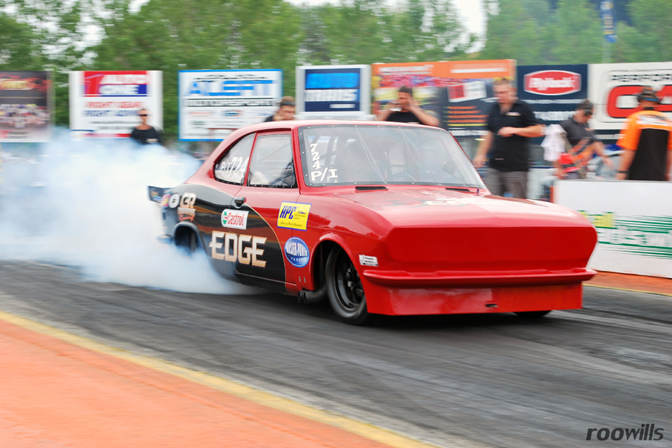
(25, 106)
(553, 91)
(333, 92)
(614, 88)
(213, 103)
(634, 236)
(105, 104)
(458, 93)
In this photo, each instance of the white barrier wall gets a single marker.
(633, 220)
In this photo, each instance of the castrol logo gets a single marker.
(552, 82)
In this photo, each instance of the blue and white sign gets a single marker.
(213, 103)
(297, 252)
(608, 21)
(333, 92)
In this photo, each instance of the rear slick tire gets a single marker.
(345, 289)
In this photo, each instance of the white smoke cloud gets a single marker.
(85, 204)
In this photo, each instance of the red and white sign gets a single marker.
(552, 82)
(234, 219)
(106, 103)
(614, 89)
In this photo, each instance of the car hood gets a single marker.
(443, 207)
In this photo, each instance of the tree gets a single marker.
(647, 40)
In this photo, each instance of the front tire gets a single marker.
(345, 289)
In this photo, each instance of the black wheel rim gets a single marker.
(349, 289)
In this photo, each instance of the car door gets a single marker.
(270, 186)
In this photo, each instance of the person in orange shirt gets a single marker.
(647, 141)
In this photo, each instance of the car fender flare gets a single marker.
(335, 238)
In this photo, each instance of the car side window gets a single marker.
(232, 167)
(272, 163)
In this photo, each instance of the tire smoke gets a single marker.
(85, 204)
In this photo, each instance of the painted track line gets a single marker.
(366, 430)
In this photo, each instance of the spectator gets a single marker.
(406, 110)
(144, 133)
(570, 146)
(510, 124)
(286, 110)
(647, 141)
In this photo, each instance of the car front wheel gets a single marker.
(345, 289)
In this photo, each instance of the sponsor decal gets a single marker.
(186, 211)
(297, 252)
(293, 215)
(234, 219)
(174, 200)
(366, 260)
(552, 82)
(243, 249)
(155, 196)
(165, 200)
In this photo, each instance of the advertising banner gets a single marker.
(635, 235)
(213, 103)
(614, 88)
(458, 93)
(553, 91)
(105, 104)
(25, 106)
(333, 92)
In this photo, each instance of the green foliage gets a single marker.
(648, 39)
(173, 35)
(18, 49)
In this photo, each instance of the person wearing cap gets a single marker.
(286, 110)
(572, 148)
(406, 110)
(583, 141)
(647, 141)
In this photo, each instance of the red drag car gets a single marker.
(380, 218)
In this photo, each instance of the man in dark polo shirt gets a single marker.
(510, 124)
(406, 110)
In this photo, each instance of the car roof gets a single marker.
(293, 124)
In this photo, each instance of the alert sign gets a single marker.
(106, 103)
(614, 89)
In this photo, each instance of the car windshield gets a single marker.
(383, 154)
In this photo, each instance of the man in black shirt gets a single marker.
(144, 133)
(406, 110)
(510, 124)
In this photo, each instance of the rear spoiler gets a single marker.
(156, 193)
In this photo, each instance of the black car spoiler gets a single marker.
(156, 193)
